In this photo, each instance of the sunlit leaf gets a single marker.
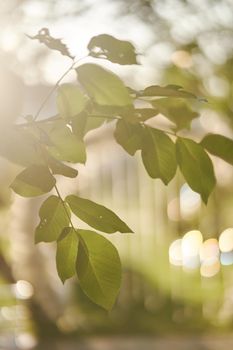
(66, 256)
(98, 268)
(129, 136)
(70, 100)
(115, 50)
(66, 145)
(53, 218)
(103, 86)
(33, 181)
(158, 155)
(96, 215)
(196, 166)
(219, 146)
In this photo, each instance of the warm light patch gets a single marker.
(182, 59)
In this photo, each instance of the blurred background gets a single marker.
(177, 287)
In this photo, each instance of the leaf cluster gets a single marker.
(49, 147)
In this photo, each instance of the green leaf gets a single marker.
(219, 146)
(96, 215)
(168, 91)
(33, 181)
(103, 86)
(98, 268)
(70, 100)
(66, 145)
(158, 155)
(58, 168)
(178, 111)
(129, 136)
(67, 249)
(53, 218)
(196, 166)
(115, 50)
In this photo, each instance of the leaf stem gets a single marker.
(64, 206)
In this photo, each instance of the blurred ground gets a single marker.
(182, 343)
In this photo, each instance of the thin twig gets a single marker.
(55, 87)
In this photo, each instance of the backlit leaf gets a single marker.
(70, 100)
(96, 215)
(103, 86)
(98, 268)
(66, 145)
(196, 166)
(53, 219)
